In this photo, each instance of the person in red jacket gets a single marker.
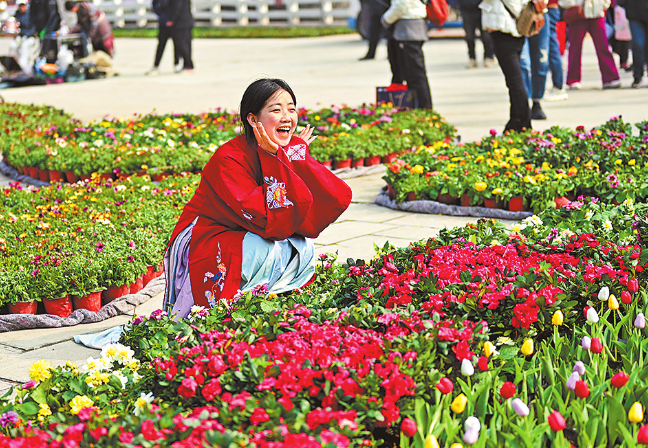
(260, 200)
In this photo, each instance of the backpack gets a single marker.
(437, 11)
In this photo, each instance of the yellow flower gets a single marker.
(497, 191)
(44, 411)
(418, 169)
(480, 186)
(40, 370)
(527, 347)
(572, 170)
(456, 445)
(145, 167)
(80, 402)
(489, 349)
(431, 442)
(557, 318)
(635, 414)
(459, 404)
(613, 303)
(618, 162)
(632, 162)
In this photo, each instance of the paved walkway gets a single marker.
(322, 72)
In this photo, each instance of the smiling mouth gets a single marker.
(284, 131)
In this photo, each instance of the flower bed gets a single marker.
(53, 147)
(484, 336)
(529, 170)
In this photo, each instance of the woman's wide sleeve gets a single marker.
(331, 195)
(275, 209)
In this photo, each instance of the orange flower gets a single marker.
(394, 168)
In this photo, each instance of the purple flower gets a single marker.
(260, 290)
(138, 320)
(8, 418)
(158, 314)
(586, 343)
(579, 367)
(131, 244)
(28, 385)
(130, 259)
(520, 407)
(640, 321)
(571, 381)
(34, 272)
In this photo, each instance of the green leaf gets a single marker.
(28, 408)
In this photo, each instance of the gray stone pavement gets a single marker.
(322, 72)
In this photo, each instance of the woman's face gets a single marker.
(278, 117)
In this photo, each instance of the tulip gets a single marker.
(482, 363)
(408, 427)
(520, 407)
(619, 380)
(633, 285)
(640, 321)
(597, 347)
(472, 423)
(489, 349)
(604, 293)
(467, 368)
(585, 310)
(581, 390)
(571, 381)
(507, 390)
(642, 436)
(527, 347)
(592, 315)
(459, 404)
(556, 421)
(579, 367)
(557, 318)
(613, 303)
(471, 436)
(635, 414)
(626, 297)
(431, 442)
(445, 386)
(586, 343)
(456, 445)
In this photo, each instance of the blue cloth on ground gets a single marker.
(101, 339)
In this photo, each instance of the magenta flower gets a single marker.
(100, 247)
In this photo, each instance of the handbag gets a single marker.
(531, 19)
(573, 14)
(437, 11)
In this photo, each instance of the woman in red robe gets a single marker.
(261, 197)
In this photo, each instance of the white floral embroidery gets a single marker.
(247, 216)
(296, 152)
(276, 194)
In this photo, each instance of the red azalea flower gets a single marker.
(556, 421)
(211, 389)
(126, 437)
(619, 380)
(507, 390)
(259, 415)
(187, 388)
(581, 390)
(149, 432)
(445, 385)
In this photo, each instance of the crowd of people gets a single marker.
(614, 26)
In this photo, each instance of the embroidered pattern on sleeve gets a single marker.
(247, 215)
(276, 194)
(218, 279)
(296, 152)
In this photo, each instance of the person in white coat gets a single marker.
(591, 21)
(508, 44)
(408, 27)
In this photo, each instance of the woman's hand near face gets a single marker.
(306, 134)
(263, 140)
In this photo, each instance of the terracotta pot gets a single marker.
(33, 172)
(61, 307)
(91, 302)
(390, 192)
(338, 164)
(388, 158)
(357, 163)
(465, 200)
(44, 175)
(327, 163)
(137, 285)
(490, 203)
(107, 176)
(23, 307)
(149, 275)
(122, 175)
(159, 177)
(84, 176)
(71, 177)
(447, 198)
(516, 204)
(114, 292)
(411, 196)
(561, 202)
(371, 161)
(160, 270)
(56, 176)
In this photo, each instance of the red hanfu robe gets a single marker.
(246, 189)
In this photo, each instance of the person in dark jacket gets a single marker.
(22, 16)
(160, 8)
(93, 22)
(637, 14)
(181, 22)
(24, 48)
(471, 21)
(374, 10)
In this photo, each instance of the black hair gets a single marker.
(69, 4)
(255, 97)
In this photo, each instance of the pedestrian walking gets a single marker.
(374, 10)
(181, 23)
(161, 9)
(508, 44)
(558, 91)
(471, 22)
(408, 31)
(637, 14)
(534, 62)
(587, 16)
